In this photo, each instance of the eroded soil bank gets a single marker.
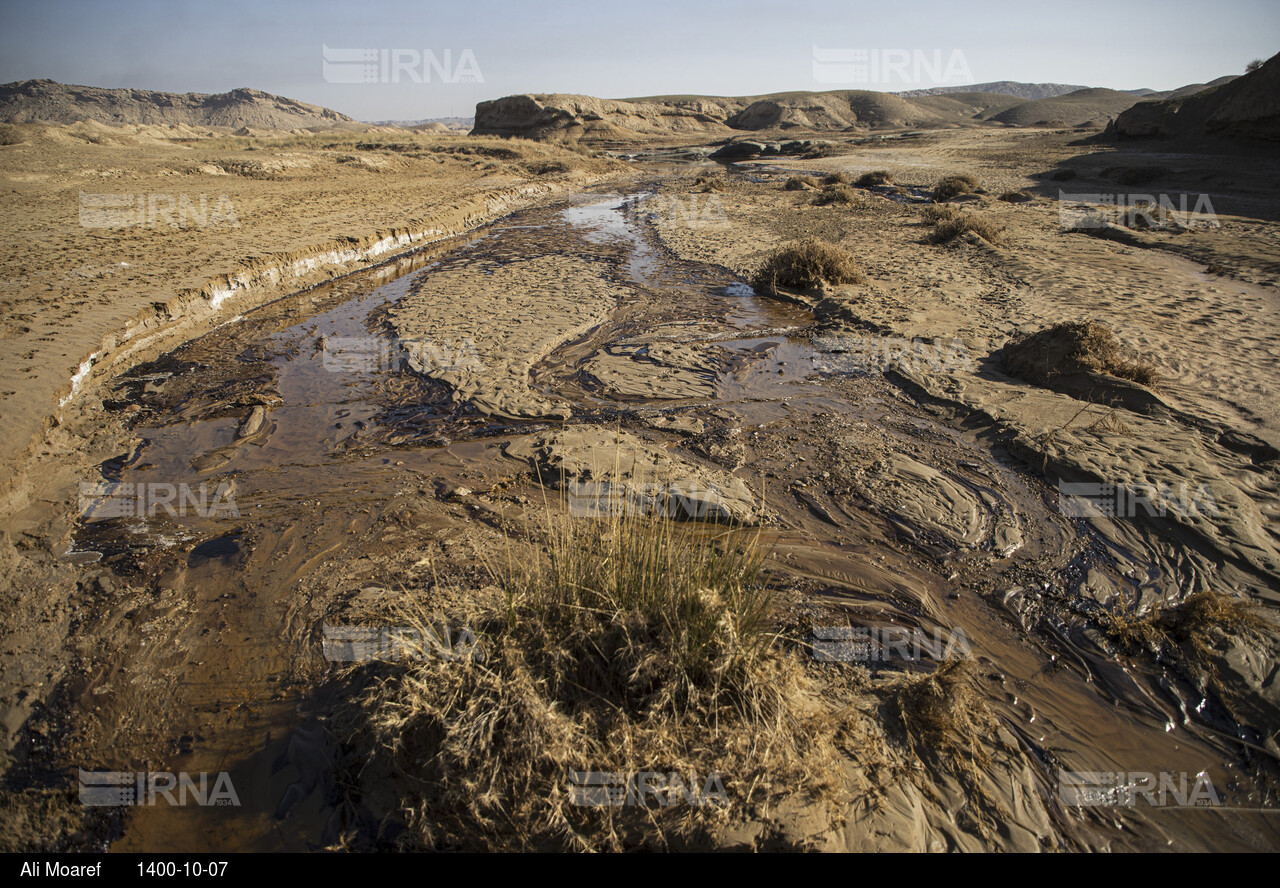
(386, 436)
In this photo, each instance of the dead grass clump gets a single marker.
(836, 194)
(935, 213)
(546, 167)
(800, 183)
(10, 135)
(836, 179)
(1201, 615)
(1015, 197)
(710, 182)
(1071, 348)
(624, 646)
(1190, 625)
(875, 177)
(942, 711)
(949, 229)
(954, 186)
(945, 722)
(807, 264)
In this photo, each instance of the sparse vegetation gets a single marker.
(949, 229)
(953, 186)
(875, 177)
(546, 167)
(800, 183)
(1253, 66)
(836, 194)
(805, 265)
(710, 182)
(944, 720)
(1189, 626)
(935, 213)
(835, 179)
(9, 135)
(1075, 347)
(633, 644)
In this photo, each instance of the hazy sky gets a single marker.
(483, 49)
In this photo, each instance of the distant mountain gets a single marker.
(47, 101)
(1244, 107)
(1000, 87)
(449, 123)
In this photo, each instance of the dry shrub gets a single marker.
(945, 722)
(1071, 348)
(1015, 197)
(624, 645)
(800, 183)
(710, 182)
(954, 186)
(546, 167)
(935, 213)
(836, 194)
(836, 179)
(805, 265)
(949, 229)
(1189, 625)
(875, 177)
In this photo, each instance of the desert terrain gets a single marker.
(842, 360)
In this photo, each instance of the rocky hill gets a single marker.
(1028, 91)
(1081, 106)
(1245, 107)
(47, 101)
(591, 118)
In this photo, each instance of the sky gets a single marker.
(416, 59)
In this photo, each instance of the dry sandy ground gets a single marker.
(903, 472)
(258, 218)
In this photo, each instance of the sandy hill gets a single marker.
(1026, 91)
(1245, 107)
(552, 115)
(543, 116)
(1071, 109)
(1191, 88)
(46, 101)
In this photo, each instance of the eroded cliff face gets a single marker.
(1248, 107)
(46, 101)
(548, 116)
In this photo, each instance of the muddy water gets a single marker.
(884, 511)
